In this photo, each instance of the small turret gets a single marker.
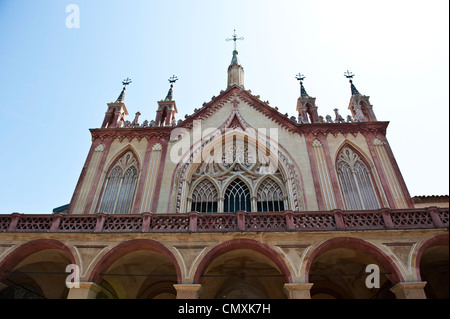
(115, 115)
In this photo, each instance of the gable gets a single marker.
(236, 97)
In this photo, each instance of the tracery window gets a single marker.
(357, 186)
(270, 197)
(120, 186)
(204, 197)
(237, 197)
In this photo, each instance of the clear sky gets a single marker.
(57, 80)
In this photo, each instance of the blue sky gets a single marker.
(56, 81)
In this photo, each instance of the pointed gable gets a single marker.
(236, 95)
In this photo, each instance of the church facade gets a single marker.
(234, 201)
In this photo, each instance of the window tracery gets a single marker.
(270, 197)
(357, 186)
(120, 186)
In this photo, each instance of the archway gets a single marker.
(36, 270)
(138, 269)
(242, 269)
(337, 268)
(433, 267)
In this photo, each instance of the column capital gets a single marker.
(188, 291)
(298, 290)
(410, 290)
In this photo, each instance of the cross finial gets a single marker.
(349, 75)
(234, 38)
(126, 82)
(300, 77)
(173, 79)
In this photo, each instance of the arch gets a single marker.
(113, 161)
(440, 240)
(120, 182)
(269, 202)
(360, 245)
(242, 244)
(206, 206)
(129, 246)
(366, 159)
(357, 181)
(237, 191)
(278, 155)
(17, 255)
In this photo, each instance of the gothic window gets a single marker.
(357, 187)
(237, 197)
(204, 198)
(120, 185)
(269, 197)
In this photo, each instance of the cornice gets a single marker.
(130, 133)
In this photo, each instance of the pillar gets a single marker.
(86, 290)
(409, 290)
(298, 291)
(188, 291)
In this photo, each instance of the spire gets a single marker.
(115, 115)
(167, 108)
(301, 77)
(235, 70)
(349, 75)
(234, 59)
(306, 105)
(172, 80)
(362, 110)
(121, 97)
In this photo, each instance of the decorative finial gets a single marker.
(121, 97)
(349, 75)
(126, 82)
(172, 80)
(301, 77)
(234, 38)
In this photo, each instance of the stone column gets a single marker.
(188, 291)
(409, 290)
(87, 290)
(298, 291)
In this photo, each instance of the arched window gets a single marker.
(357, 187)
(237, 197)
(204, 198)
(120, 185)
(270, 197)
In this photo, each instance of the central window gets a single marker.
(238, 176)
(237, 197)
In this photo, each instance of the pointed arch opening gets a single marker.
(120, 185)
(270, 197)
(237, 197)
(357, 187)
(204, 197)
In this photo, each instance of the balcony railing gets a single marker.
(336, 220)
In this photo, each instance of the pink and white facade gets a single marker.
(235, 200)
